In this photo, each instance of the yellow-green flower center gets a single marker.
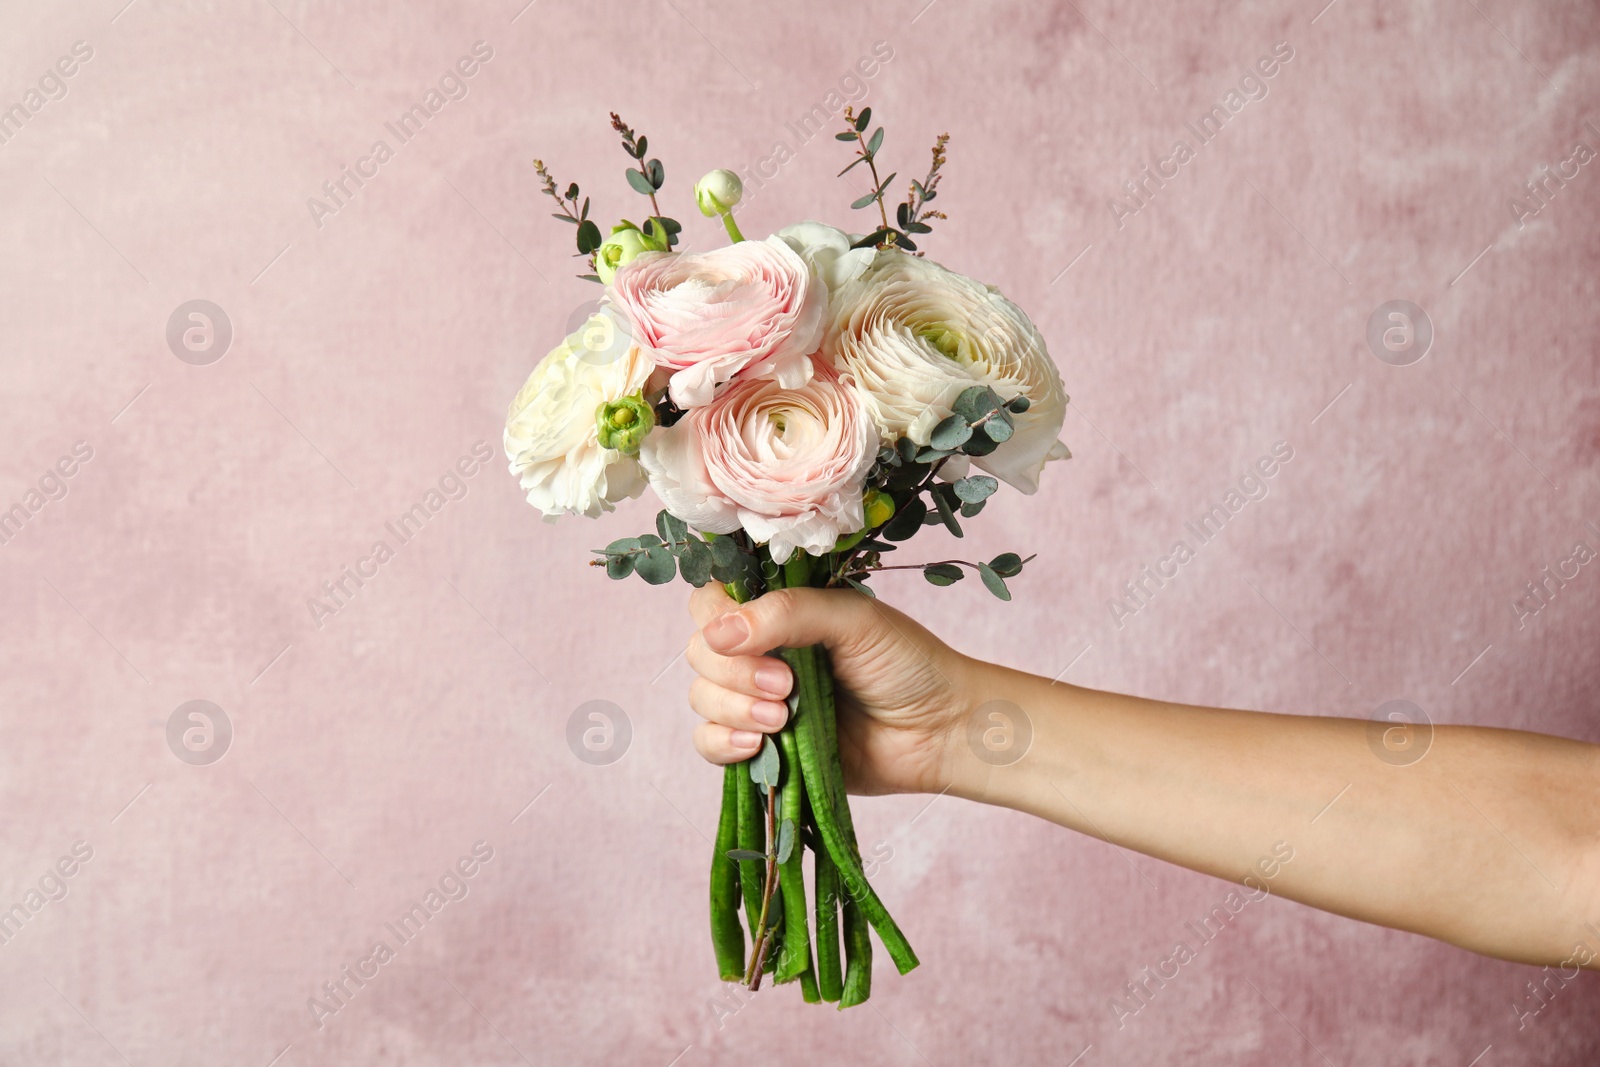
(946, 339)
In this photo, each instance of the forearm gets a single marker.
(1489, 841)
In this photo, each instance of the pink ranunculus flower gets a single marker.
(786, 465)
(753, 309)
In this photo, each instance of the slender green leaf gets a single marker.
(658, 173)
(1006, 564)
(862, 589)
(975, 488)
(785, 840)
(980, 445)
(765, 764)
(951, 433)
(943, 573)
(656, 566)
(907, 520)
(863, 201)
(975, 402)
(999, 427)
(588, 237)
(947, 514)
(724, 550)
(863, 119)
(877, 139)
(695, 562)
(672, 530)
(745, 855)
(640, 181)
(996, 584)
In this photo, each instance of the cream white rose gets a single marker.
(552, 438)
(914, 335)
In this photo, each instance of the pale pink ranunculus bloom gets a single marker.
(786, 465)
(753, 309)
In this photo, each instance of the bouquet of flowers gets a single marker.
(802, 405)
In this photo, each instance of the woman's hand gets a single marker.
(902, 694)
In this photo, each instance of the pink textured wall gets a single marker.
(374, 346)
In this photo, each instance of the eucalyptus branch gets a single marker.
(649, 174)
(562, 201)
(758, 951)
(914, 214)
(855, 128)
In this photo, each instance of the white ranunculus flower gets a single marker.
(552, 438)
(915, 335)
(827, 252)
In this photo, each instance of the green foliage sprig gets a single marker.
(677, 550)
(647, 179)
(589, 237)
(912, 215)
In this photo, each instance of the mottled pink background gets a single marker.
(370, 353)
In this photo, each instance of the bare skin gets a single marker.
(1490, 841)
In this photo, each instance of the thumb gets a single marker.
(790, 618)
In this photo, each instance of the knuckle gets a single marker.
(695, 652)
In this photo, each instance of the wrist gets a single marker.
(1004, 743)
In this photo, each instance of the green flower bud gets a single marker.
(623, 423)
(879, 508)
(718, 192)
(626, 243)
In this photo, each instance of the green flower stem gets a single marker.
(762, 958)
(817, 734)
(822, 787)
(857, 983)
(750, 836)
(858, 954)
(795, 959)
(826, 877)
(727, 938)
(732, 227)
(808, 987)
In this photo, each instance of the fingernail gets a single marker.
(727, 631)
(774, 679)
(768, 713)
(744, 739)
